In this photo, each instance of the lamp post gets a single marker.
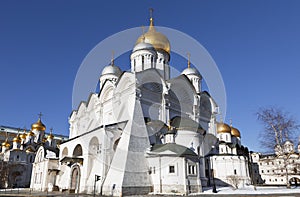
(214, 190)
(97, 178)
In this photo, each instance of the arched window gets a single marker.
(94, 147)
(64, 152)
(77, 151)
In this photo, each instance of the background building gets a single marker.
(280, 168)
(18, 152)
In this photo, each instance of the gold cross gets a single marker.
(189, 59)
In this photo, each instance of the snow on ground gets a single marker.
(254, 190)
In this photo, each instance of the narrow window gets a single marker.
(171, 169)
(234, 171)
(193, 170)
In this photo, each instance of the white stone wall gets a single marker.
(227, 165)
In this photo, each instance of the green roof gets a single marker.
(179, 150)
(186, 123)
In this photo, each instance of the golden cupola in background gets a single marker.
(30, 133)
(38, 126)
(235, 132)
(17, 139)
(6, 144)
(23, 135)
(223, 128)
(50, 136)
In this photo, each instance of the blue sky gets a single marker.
(256, 45)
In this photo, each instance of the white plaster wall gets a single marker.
(225, 166)
(190, 139)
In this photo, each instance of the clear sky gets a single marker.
(256, 45)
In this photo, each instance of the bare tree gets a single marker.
(234, 180)
(279, 126)
(4, 171)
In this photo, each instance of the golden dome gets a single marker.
(6, 144)
(39, 126)
(223, 128)
(23, 136)
(156, 39)
(50, 136)
(30, 133)
(235, 132)
(17, 139)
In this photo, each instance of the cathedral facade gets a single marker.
(19, 150)
(145, 132)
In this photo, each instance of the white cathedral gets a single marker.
(145, 132)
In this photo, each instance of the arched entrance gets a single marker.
(75, 180)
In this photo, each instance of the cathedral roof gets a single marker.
(156, 39)
(182, 123)
(177, 149)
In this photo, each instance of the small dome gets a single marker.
(143, 46)
(223, 128)
(6, 144)
(23, 136)
(17, 139)
(191, 71)
(50, 136)
(30, 133)
(235, 132)
(112, 69)
(156, 39)
(39, 126)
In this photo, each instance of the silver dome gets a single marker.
(112, 69)
(191, 71)
(143, 46)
